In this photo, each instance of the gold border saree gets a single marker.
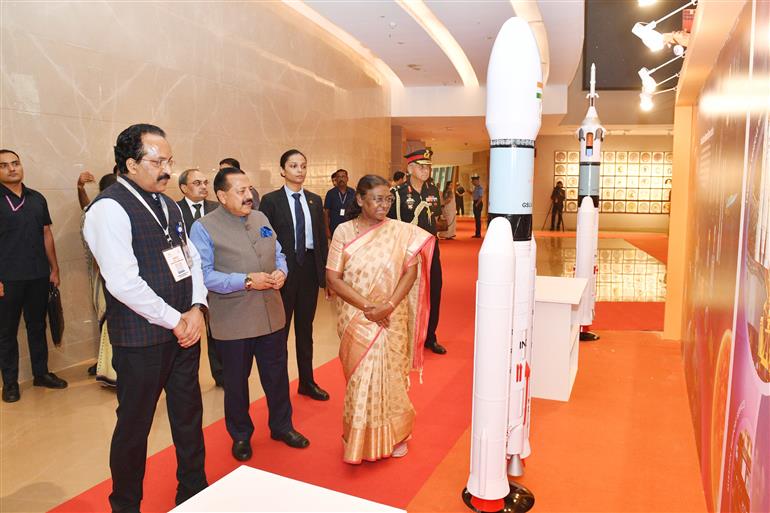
(376, 361)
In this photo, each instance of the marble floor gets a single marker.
(55, 444)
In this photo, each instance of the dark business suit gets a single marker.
(215, 363)
(300, 292)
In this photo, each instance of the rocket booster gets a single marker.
(590, 136)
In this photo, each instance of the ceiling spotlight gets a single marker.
(645, 3)
(645, 99)
(648, 83)
(645, 102)
(651, 38)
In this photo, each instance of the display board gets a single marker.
(631, 182)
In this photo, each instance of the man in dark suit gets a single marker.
(296, 215)
(194, 205)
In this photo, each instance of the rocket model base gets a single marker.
(519, 500)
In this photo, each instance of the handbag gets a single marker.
(55, 315)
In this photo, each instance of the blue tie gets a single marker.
(299, 229)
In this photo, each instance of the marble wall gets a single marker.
(245, 80)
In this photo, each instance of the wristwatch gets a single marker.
(248, 282)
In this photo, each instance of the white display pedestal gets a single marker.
(250, 489)
(555, 336)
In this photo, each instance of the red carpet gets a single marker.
(443, 406)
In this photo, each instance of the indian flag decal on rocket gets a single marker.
(539, 91)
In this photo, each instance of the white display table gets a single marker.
(250, 489)
(555, 335)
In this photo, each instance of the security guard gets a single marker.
(418, 202)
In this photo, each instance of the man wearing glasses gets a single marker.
(195, 187)
(155, 296)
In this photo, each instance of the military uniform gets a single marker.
(421, 208)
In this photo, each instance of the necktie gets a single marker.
(197, 214)
(159, 211)
(299, 229)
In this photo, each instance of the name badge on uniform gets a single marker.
(177, 263)
(342, 212)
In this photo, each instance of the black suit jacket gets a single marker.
(187, 213)
(275, 205)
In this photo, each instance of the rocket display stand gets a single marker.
(519, 500)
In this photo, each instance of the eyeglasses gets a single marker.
(382, 200)
(161, 163)
(198, 183)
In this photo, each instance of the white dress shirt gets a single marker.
(191, 203)
(308, 221)
(107, 230)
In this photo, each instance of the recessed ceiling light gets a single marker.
(416, 67)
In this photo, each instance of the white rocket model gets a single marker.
(590, 136)
(505, 287)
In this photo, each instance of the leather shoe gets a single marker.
(436, 347)
(11, 393)
(49, 380)
(314, 392)
(292, 438)
(242, 450)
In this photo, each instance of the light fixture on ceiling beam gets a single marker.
(645, 3)
(651, 38)
(645, 99)
(645, 74)
(649, 84)
(422, 14)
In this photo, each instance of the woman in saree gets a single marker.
(449, 210)
(379, 269)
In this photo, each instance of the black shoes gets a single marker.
(292, 438)
(92, 370)
(11, 393)
(435, 347)
(242, 450)
(313, 391)
(49, 380)
(476, 237)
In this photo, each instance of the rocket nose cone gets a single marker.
(514, 83)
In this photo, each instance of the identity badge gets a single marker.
(342, 212)
(177, 263)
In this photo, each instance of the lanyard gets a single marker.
(149, 209)
(342, 198)
(17, 207)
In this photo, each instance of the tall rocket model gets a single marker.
(506, 279)
(590, 136)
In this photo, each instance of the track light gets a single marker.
(651, 38)
(645, 98)
(649, 84)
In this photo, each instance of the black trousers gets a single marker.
(31, 298)
(436, 282)
(143, 372)
(459, 205)
(215, 363)
(300, 297)
(556, 216)
(477, 217)
(272, 358)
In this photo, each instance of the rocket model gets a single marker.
(590, 136)
(506, 280)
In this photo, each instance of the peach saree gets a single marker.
(376, 361)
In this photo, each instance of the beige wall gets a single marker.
(246, 80)
(543, 184)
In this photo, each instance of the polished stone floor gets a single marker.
(626, 273)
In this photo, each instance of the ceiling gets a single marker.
(403, 44)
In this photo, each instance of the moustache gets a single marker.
(164, 176)
(248, 202)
